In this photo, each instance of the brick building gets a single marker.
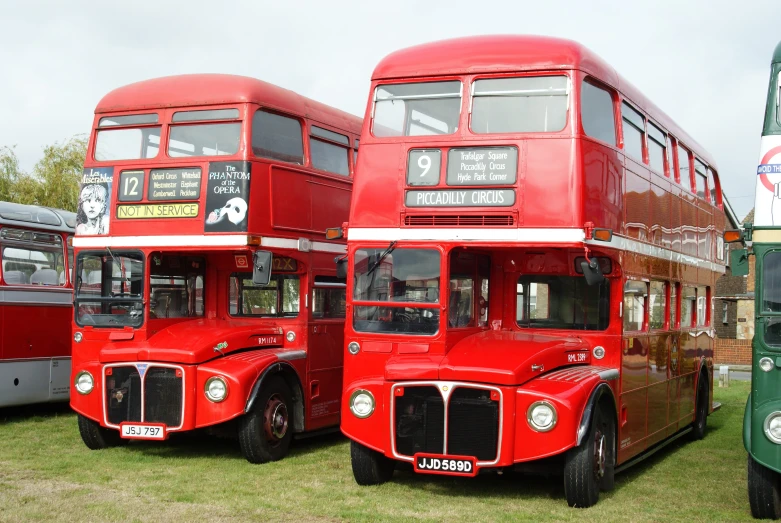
(733, 310)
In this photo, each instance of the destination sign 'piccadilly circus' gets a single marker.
(461, 198)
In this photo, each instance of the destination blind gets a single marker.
(174, 184)
(482, 166)
(461, 198)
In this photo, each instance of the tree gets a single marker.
(9, 172)
(59, 172)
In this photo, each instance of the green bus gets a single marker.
(762, 420)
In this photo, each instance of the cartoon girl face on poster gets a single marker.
(92, 216)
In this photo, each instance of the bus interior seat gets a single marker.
(15, 277)
(44, 277)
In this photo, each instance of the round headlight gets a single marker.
(599, 352)
(353, 347)
(290, 336)
(766, 364)
(216, 389)
(78, 337)
(84, 382)
(362, 403)
(541, 416)
(773, 427)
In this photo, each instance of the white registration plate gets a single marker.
(143, 431)
(450, 465)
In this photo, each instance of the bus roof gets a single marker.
(212, 89)
(509, 53)
(39, 217)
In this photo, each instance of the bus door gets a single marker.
(326, 347)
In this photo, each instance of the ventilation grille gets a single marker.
(495, 220)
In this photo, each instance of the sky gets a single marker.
(704, 62)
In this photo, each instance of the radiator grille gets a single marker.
(497, 220)
(473, 422)
(123, 395)
(163, 396)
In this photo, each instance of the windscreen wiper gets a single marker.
(385, 253)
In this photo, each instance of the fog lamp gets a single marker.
(541, 416)
(84, 382)
(353, 347)
(773, 427)
(766, 364)
(362, 403)
(216, 389)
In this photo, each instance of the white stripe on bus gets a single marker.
(223, 240)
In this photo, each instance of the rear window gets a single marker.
(215, 139)
(520, 105)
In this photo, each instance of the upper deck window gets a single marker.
(417, 109)
(701, 179)
(712, 185)
(596, 113)
(683, 166)
(657, 143)
(130, 119)
(529, 104)
(327, 155)
(129, 143)
(634, 129)
(213, 139)
(209, 114)
(277, 137)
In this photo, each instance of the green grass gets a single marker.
(46, 473)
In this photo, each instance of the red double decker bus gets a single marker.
(35, 303)
(532, 251)
(205, 290)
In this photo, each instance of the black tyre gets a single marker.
(589, 467)
(764, 494)
(369, 466)
(96, 437)
(265, 432)
(701, 415)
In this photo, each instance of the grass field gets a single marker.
(46, 473)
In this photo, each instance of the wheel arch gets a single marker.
(289, 374)
(602, 395)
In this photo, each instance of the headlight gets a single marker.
(541, 416)
(291, 336)
(362, 403)
(216, 389)
(353, 347)
(78, 337)
(84, 382)
(773, 427)
(766, 364)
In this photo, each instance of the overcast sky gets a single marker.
(704, 62)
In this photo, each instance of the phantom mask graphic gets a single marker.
(234, 209)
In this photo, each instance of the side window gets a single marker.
(329, 151)
(596, 113)
(701, 179)
(468, 290)
(635, 300)
(277, 137)
(688, 300)
(712, 186)
(280, 298)
(634, 129)
(31, 265)
(702, 306)
(355, 153)
(657, 304)
(657, 144)
(683, 167)
(671, 159)
(329, 297)
(673, 305)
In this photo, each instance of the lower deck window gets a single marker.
(176, 284)
(562, 302)
(280, 298)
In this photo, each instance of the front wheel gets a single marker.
(764, 494)
(369, 466)
(265, 432)
(589, 467)
(96, 437)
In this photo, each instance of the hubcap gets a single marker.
(275, 419)
(599, 455)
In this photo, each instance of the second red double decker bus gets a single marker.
(532, 251)
(196, 188)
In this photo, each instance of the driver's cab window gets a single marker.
(280, 298)
(468, 289)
